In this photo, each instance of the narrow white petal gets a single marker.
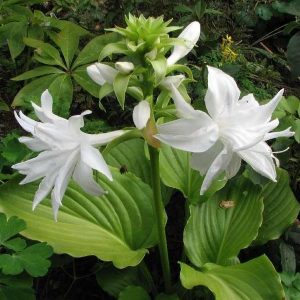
(46, 101)
(284, 133)
(175, 80)
(83, 175)
(95, 74)
(93, 158)
(202, 161)
(267, 109)
(25, 124)
(194, 135)
(124, 67)
(233, 166)
(107, 72)
(217, 167)
(222, 93)
(141, 114)
(76, 122)
(190, 35)
(104, 138)
(248, 101)
(45, 115)
(260, 158)
(34, 144)
(55, 206)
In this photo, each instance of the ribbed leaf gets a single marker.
(116, 227)
(256, 279)
(37, 72)
(219, 228)
(280, 208)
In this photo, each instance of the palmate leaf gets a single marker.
(280, 208)
(256, 279)
(116, 227)
(215, 233)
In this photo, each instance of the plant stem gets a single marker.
(159, 212)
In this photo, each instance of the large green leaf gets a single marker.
(116, 227)
(219, 228)
(91, 51)
(293, 54)
(175, 172)
(84, 80)
(33, 90)
(37, 72)
(256, 279)
(120, 85)
(15, 43)
(280, 208)
(61, 90)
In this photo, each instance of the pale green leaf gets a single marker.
(37, 72)
(116, 227)
(256, 279)
(219, 228)
(280, 208)
(160, 68)
(120, 85)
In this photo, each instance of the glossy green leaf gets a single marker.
(61, 90)
(116, 227)
(15, 43)
(256, 279)
(219, 228)
(120, 85)
(37, 72)
(82, 78)
(3, 106)
(134, 293)
(33, 90)
(91, 51)
(280, 208)
(113, 48)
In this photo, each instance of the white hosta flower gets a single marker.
(234, 130)
(67, 152)
(102, 73)
(190, 35)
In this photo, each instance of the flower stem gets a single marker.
(159, 212)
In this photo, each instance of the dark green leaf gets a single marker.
(293, 54)
(134, 293)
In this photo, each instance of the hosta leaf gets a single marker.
(256, 279)
(280, 208)
(33, 90)
(37, 72)
(91, 51)
(120, 85)
(83, 79)
(134, 293)
(61, 90)
(116, 227)
(215, 233)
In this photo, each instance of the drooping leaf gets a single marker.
(37, 72)
(280, 208)
(256, 279)
(82, 78)
(116, 227)
(120, 85)
(91, 51)
(33, 90)
(134, 293)
(219, 228)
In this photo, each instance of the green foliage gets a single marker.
(134, 293)
(118, 227)
(293, 55)
(291, 285)
(256, 279)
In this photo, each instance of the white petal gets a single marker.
(124, 67)
(267, 109)
(76, 122)
(45, 115)
(104, 138)
(284, 133)
(233, 166)
(260, 159)
(222, 93)
(190, 35)
(34, 144)
(95, 74)
(172, 80)
(248, 101)
(83, 175)
(93, 158)
(46, 101)
(217, 167)
(55, 206)
(25, 122)
(141, 114)
(63, 177)
(194, 135)
(107, 72)
(202, 161)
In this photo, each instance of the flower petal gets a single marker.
(46, 101)
(233, 166)
(124, 67)
(175, 80)
(34, 144)
(83, 175)
(103, 138)
(102, 73)
(194, 135)
(25, 122)
(260, 158)
(95, 74)
(222, 93)
(93, 158)
(284, 133)
(190, 35)
(141, 114)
